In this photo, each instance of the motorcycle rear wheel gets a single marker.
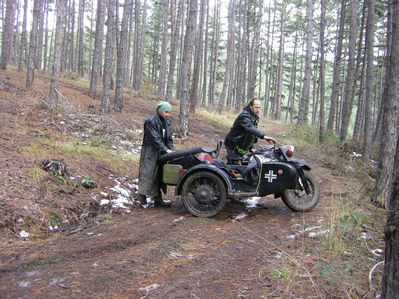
(204, 194)
(297, 199)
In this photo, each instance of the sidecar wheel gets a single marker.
(297, 199)
(204, 194)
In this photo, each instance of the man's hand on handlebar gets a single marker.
(168, 151)
(270, 139)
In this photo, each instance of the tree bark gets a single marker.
(369, 80)
(322, 68)
(185, 72)
(279, 79)
(79, 46)
(108, 58)
(121, 57)
(173, 48)
(304, 102)
(349, 81)
(229, 55)
(33, 45)
(59, 31)
(336, 70)
(199, 49)
(23, 44)
(6, 34)
(96, 65)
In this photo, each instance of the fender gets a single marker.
(302, 164)
(209, 167)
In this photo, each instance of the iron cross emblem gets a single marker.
(270, 176)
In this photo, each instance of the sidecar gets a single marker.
(206, 182)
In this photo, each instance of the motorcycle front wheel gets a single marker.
(204, 194)
(297, 199)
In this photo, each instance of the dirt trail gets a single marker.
(261, 252)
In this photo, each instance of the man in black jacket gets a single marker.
(157, 140)
(244, 133)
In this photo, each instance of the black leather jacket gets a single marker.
(244, 132)
(155, 136)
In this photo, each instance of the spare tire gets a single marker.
(178, 154)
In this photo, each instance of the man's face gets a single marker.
(256, 107)
(164, 114)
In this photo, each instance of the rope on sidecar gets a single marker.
(288, 255)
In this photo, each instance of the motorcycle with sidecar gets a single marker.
(205, 182)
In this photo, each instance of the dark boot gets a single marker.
(159, 202)
(143, 199)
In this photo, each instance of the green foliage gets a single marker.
(54, 219)
(58, 177)
(88, 182)
(283, 273)
(35, 173)
(32, 149)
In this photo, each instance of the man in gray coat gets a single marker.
(157, 140)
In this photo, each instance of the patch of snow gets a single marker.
(20, 220)
(56, 281)
(24, 234)
(319, 233)
(302, 232)
(52, 228)
(104, 202)
(356, 155)
(377, 252)
(178, 219)
(239, 217)
(24, 284)
(365, 236)
(104, 194)
(251, 202)
(175, 254)
(150, 288)
(32, 273)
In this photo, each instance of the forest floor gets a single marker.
(83, 235)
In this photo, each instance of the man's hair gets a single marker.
(251, 102)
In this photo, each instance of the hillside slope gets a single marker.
(83, 235)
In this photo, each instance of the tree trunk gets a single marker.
(121, 57)
(173, 48)
(369, 80)
(304, 102)
(33, 45)
(199, 49)
(349, 80)
(383, 186)
(164, 49)
(79, 46)
(40, 37)
(96, 65)
(138, 58)
(214, 55)
(229, 54)
(253, 66)
(6, 34)
(291, 94)
(108, 58)
(23, 44)
(185, 72)
(59, 31)
(336, 70)
(279, 79)
(322, 67)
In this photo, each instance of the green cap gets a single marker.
(164, 106)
